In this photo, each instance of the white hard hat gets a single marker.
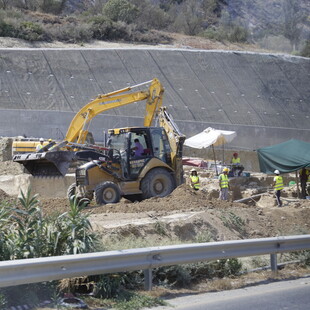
(41, 139)
(277, 171)
(192, 170)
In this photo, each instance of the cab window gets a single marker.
(161, 146)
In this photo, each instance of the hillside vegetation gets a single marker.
(280, 25)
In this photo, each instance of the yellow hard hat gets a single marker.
(50, 140)
(225, 169)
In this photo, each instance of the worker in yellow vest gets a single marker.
(194, 180)
(224, 184)
(278, 186)
(236, 165)
(39, 147)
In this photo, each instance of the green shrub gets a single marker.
(112, 285)
(215, 269)
(152, 17)
(302, 256)
(7, 30)
(25, 233)
(238, 34)
(231, 33)
(172, 276)
(233, 221)
(5, 228)
(120, 10)
(70, 32)
(25, 30)
(30, 31)
(3, 301)
(305, 52)
(74, 229)
(105, 29)
(133, 301)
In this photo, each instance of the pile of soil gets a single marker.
(188, 215)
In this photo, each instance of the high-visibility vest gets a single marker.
(195, 181)
(39, 147)
(235, 160)
(279, 183)
(223, 180)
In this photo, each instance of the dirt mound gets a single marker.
(10, 168)
(182, 199)
(192, 215)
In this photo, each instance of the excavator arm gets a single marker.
(77, 131)
(176, 140)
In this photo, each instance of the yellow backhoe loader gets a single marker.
(56, 161)
(118, 170)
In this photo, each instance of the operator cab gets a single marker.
(152, 141)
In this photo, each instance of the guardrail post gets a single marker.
(273, 262)
(148, 277)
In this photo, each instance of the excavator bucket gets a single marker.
(51, 163)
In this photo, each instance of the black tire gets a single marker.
(71, 190)
(157, 183)
(89, 195)
(107, 192)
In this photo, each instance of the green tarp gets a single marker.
(286, 157)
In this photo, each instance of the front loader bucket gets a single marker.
(52, 163)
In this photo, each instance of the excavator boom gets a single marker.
(119, 98)
(176, 139)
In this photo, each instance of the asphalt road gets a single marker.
(282, 295)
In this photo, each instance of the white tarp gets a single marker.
(210, 136)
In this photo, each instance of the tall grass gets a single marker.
(26, 233)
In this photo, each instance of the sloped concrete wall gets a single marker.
(264, 97)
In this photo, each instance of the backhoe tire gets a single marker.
(107, 192)
(157, 183)
(71, 190)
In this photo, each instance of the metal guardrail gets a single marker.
(23, 271)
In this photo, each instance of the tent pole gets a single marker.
(297, 182)
(214, 160)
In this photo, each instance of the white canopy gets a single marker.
(210, 136)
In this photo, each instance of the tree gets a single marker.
(151, 16)
(293, 16)
(4, 4)
(211, 10)
(188, 17)
(120, 10)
